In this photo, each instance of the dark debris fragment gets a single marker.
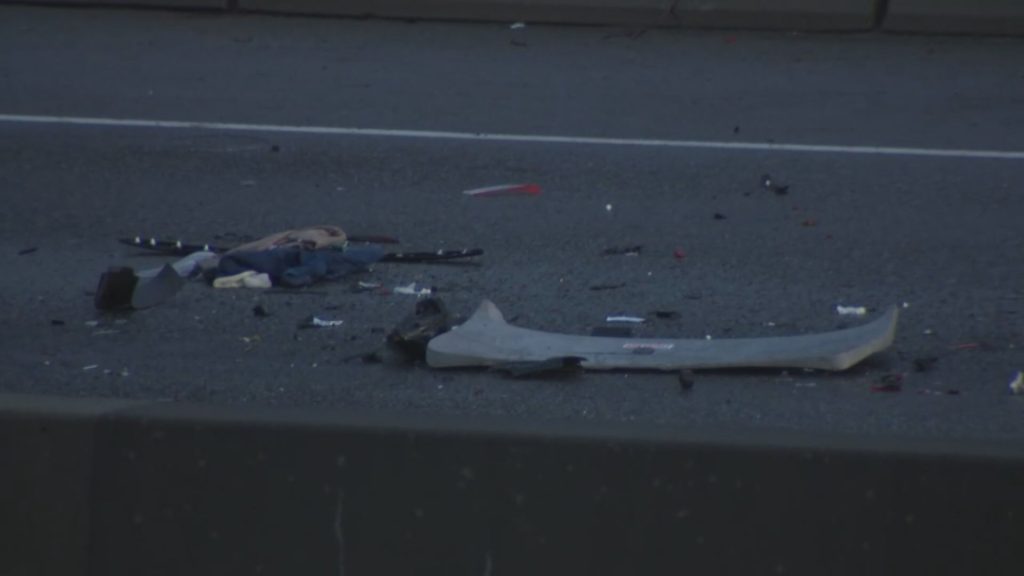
(769, 184)
(686, 380)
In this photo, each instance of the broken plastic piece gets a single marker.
(412, 334)
(158, 289)
(1017, 384)
(630, 319)
(115, 289)
(185, 267)
(414, 289)
(517, 26)
(505, 190)
(317, 322)
(487, 339)
(851, 310)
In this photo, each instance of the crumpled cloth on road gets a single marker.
(295, 267)
(310, 238)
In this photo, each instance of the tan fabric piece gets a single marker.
(310, 238)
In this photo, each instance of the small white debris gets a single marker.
(770, 324)
(608, 207)
(517, 26)
(92, 323)
(1017, 384)
(906, 305)
(707, 336)
(321, 323)
(152, 241)
(413, 290)
(851, 310)
(90, 367)
(631, 319)
(928, 332)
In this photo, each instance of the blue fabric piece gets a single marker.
(295, 267)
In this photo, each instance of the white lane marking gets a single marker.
(528, 138)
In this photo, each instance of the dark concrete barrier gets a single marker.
(956, 16)
(111, 488)
(210, 4)
(780, 14)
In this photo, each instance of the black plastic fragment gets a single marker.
(411, 335)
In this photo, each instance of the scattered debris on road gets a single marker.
(486, 339)
(686, 380)
(413, 289)
(851, 310)
(1017, 383)
(293, 258)
(768, 184)
(259, 311)
(627, 319)
(317, 322)
(120, 289)
(246, 279)
(505, 190)
(411, 335)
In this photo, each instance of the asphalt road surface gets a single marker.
(906, 180)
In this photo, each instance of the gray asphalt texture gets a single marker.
(943, 235)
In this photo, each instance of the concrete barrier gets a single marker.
(956, 16)
(779, 14)
(210, 4)
(169, 489)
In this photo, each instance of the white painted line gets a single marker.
(528, 138)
